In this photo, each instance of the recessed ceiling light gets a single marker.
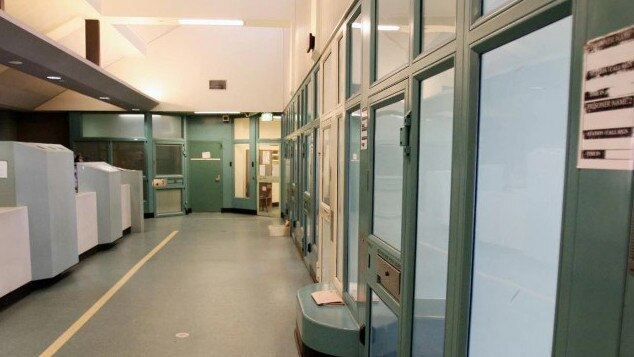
(136, 109)
(211, 22)
(16, 62)
(54, 78)
(104, 98)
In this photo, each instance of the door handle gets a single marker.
(218, 178)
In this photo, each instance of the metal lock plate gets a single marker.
(388, 277)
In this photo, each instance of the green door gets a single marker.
(205, 176)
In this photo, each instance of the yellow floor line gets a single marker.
(72, 330)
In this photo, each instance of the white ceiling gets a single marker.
(135, 35)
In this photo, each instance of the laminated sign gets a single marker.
(607, 114)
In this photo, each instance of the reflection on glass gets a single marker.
(127, 126)
(241, 129)
(326, 174)
(92, 150)
(434, 200)
(355, 56)
(438, 23)
(388, 173)
(383, 329)
(128, 155)
(270, 129)
(169, 159)
(392, 35)
(489, 6)
(167, 127)
(330, 84)
(352, 192)
(520, 175)
(241, 174)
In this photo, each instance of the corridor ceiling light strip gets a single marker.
(211, 22)
(388, 28)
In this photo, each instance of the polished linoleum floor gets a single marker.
(222, 280)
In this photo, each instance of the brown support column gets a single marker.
(93, 42)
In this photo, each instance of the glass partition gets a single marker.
(392, 35)
(241, 129)
(354, 39)
(92, 150)
(352, 200)
(270, 129)
(167, 127)
(388, 173)
(438, 23)
(434, 201)
(327, 168)
(241, 162)
(330, 84)
(113, 126)
(520, 186)
(129, 155)
(383, 329)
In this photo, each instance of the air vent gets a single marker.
(218, 84)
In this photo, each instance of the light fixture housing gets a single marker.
(104, 98)
(54, 78)
(266, 117)
(16, 63)
(211, 22)
(214, 113)
(388, 28)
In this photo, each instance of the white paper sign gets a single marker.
(606, 138)
(206, 155)
(364, 129)
(3, 169)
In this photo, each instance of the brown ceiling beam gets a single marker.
(93, 41)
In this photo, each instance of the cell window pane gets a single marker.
(489, 6)
(129, 155)
(169, 159)
(520, 175)
(383, 329)
(392, 35)
(113, 126)
(434, 200)
(92, 150)
(352, 200)
(438, 23)
(241, 129)
(388, 173)
(326, 174)
(355, 38)
(241, 174)
(167, 127)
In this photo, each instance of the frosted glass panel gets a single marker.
(392, 35)
(438, 23)
(434, 200)
(166, 127)
(330, 83)
(113, 126)
(352, 192)
(388, 173)
(383, 330)
(270, 129)
(489, 6)
(241, 129)
(169, 201)
(520, 176)
(355, 56)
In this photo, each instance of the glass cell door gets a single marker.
(268, 180)
(524, 94)
(327, 204)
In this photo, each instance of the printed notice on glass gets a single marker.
(364, 129)
(607, 113)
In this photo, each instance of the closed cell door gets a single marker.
(205, 176)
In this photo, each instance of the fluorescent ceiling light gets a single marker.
(277, 117)
(356, 25)
(136, 109)
(104, 98)
(388, 28)
(267, 117)
(15, 62)
(54, 78)
(211, 22)
(130, 116)
(216, 112)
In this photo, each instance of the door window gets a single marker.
(241, 173)
(388, 173)
(353, 168)
(169, 159)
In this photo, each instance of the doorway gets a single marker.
(269, 180)
(205, 176)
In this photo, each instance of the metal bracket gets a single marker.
(405, 131)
